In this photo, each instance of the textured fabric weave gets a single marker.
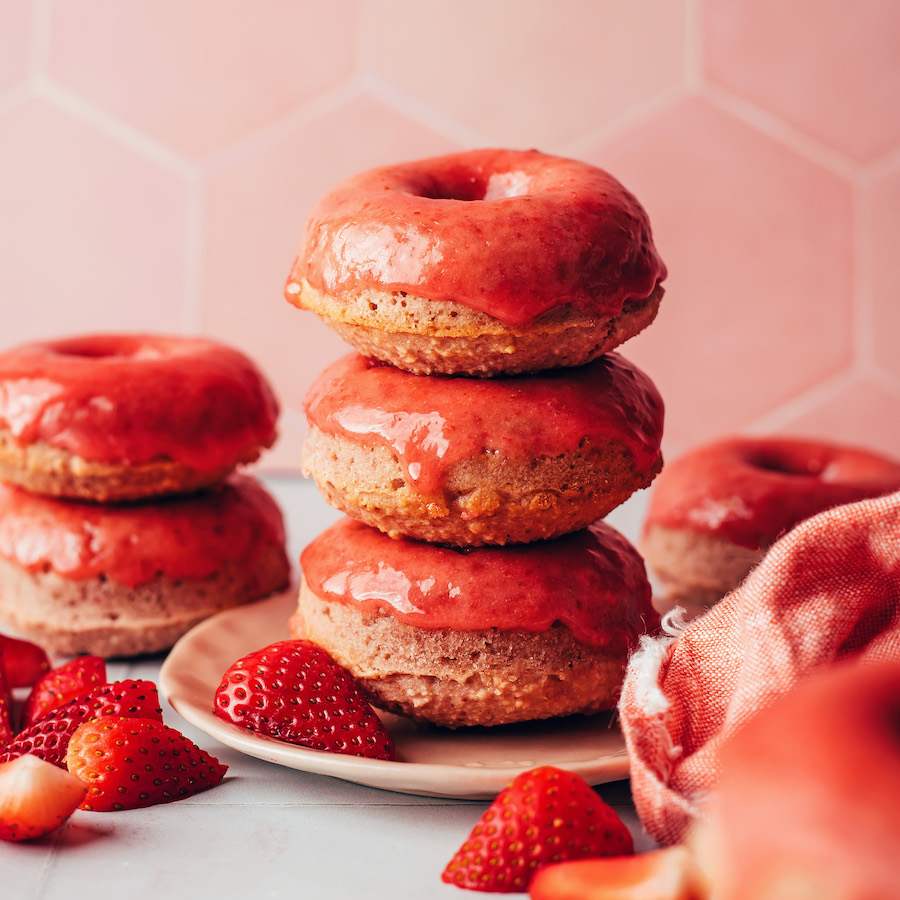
(826, 591)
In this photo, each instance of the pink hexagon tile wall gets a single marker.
(158, 159)
(516, 73)
(15, 30)
(96, 235)
(757, 240)
(198, 74)
(884, 243)
(861, 413)
(829, 68)
(260, 205)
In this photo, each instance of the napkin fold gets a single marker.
(826, 591)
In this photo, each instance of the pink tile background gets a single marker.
(158, 159)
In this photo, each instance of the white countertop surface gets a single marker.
(266, 831)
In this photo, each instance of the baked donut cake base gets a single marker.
(696, 570)
(429, 337)
(486, 500)
(41, 468)
(98, 616)
(456, 678)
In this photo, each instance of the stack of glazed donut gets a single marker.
(479, 434)
(122, 522)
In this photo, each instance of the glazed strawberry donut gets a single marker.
(121, 580)
(484, 636)
(480, 262)
(112, 417)
(716, 510)
(471, 461)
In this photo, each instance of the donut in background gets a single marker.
(716, 510)
(127, 579)
(116, 417)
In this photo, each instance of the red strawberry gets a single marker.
(24, 662)
(6, 728)
(545, 815)
(75, 677)
(49, 736)
(131, 763)
(35, 798)
(666, 874)
(294, 691)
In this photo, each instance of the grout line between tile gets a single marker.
(800, 404)
(124, 134)
(693, 44)
(767, 123)
(421, 112)
(637, 114)
(41, 31)
(245, 146)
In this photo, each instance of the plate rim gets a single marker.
(426, 779)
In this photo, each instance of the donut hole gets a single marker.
(100, 347)
(780, 464)
(498, 186)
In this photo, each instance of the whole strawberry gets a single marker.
(24, 661)
(543, 816)
(131, 763)
(61, 684)
(48, 737)
(295, 691)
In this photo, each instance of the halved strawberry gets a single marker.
(295, 691)
(49, 736)
(24, 661)
(61, 684)
(36, 797)
(7, 732)
(132, 763)
(666, 874)
(544, 815)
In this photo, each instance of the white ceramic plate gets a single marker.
(473, 763)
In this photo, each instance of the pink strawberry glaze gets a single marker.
(135, 398)
(433, 422)
(189, 537)
(592, 581)
(510, 233)
(749, 491)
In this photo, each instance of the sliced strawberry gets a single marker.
(295, 691)
(666, 874)
(49, 736)
(79, 675)
(7, 732)
(131, 763)
(543, 816)
(25, 662)
(35, 798)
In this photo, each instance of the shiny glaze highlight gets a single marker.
(132, 544)
(510, 233)
(433, 422)
(593, 582)
(131, 399)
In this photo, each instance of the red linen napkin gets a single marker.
(827, 590)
